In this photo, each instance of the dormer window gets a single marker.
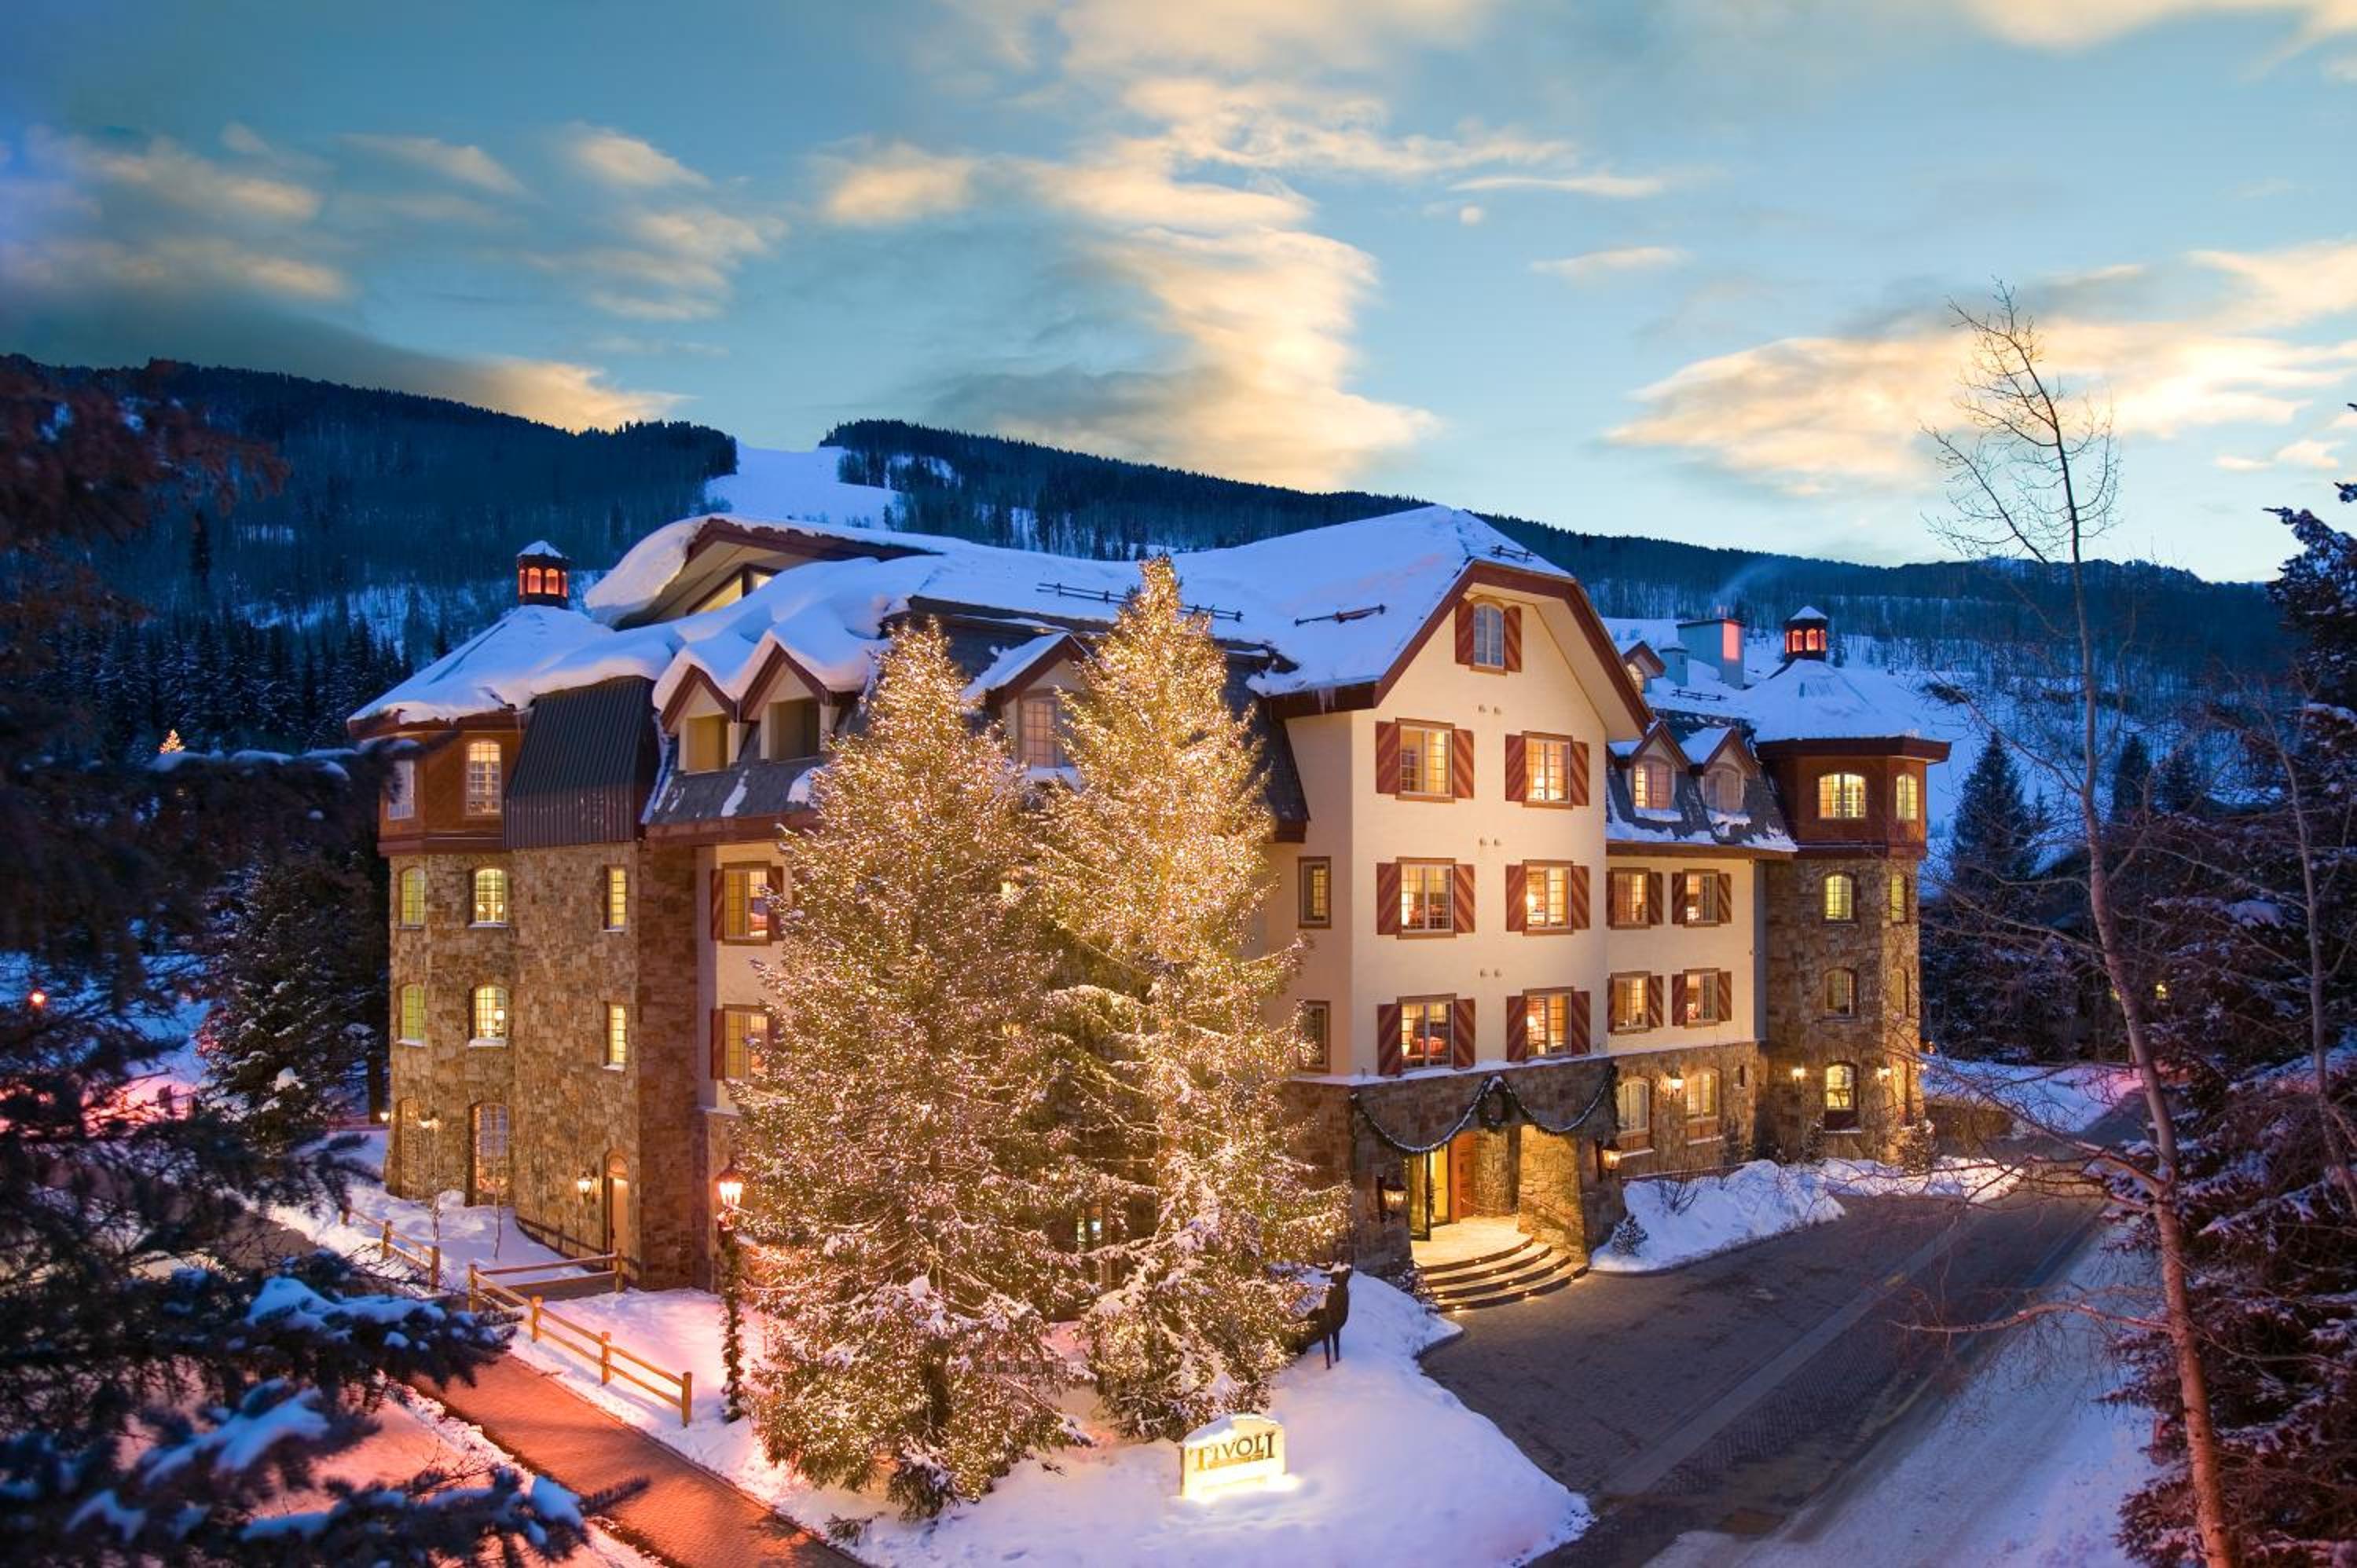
(483, 778)
(1489, 637)
(1907, 798)
(401, 791)
(1039, 730)
(1841, 796)
(791, 730)
(1649, 785)
(703, 742)
(1636, 674)
(1723, 788)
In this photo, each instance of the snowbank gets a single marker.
(1971, 1181)
(2068, 1097)
(1469, 1495)
(1685, 1219)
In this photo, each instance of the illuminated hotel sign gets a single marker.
(1229, 1451)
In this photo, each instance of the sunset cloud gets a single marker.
(625, 161)
(2081, 23)
(898, 184)
(1592, 265)
(466, 165)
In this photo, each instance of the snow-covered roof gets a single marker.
(1808, 612)
(1013, 664)
(1811, 699)
(539, 547)
(1337, 604)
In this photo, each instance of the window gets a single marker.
(1548, 768)
(1546, 897)
(1723, 788)
(1424, 759)
(1489, 637)
(1546, 1023)
(1315, 1027)
(488, 1178)
(791, 729)
(1632, 899)
(1907, 992)
(744, 910)
(1702, 1102)
(1698, 901)
(1841, 993)
(1841, 796)
(1636, 674)
(491, 1014)
(1907, 797)
(1899, 900)
(482, 778)
(1841, 1096)
(1317, 873)
(1427, 888)
(1039, 731)
(1698, 997)
(401, 791)
(1841, 896)
(1631, 996)
(413, 1014)
(410, 912)
(744, 1036)
(490, 896)
(617, 1035)
(1649, 785)
(704, 743)
(614, 894)
(1424, 1026)
(1634, 1102)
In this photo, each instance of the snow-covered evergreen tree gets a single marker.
(295, 971)
(896, 1151)
(1994, 983)
(1156, 867)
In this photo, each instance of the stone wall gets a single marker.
(1677, 1140)
(1882, 1033)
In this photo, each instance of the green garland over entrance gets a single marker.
(1495, 1104)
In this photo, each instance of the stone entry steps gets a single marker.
(1513, 1273)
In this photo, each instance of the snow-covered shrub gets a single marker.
(1628, 1237)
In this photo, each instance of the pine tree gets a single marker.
(1157, 868)
(897, 1157)
(1994, 983)
(2131, 777)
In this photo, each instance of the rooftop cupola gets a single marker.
(543, 576)
(1808, 633)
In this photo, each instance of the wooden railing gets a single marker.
(596, 1348)
(426, 1256)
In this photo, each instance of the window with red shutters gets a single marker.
(1388, 1025)
(1461, 1033)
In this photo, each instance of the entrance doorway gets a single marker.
(1439, 1187)
(618, 1204)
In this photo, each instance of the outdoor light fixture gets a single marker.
(1611, 1159)
(1675, 1083)
(38, 998)
(729, 1187)
(384, 1115)
(1800, 1073)
(585, 1184)
(1883, 1071)
(1393, 1198)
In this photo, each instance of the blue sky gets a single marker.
(1675, 268)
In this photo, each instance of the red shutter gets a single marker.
(774, 878)
(1518, 1029)
(1578, 794)
(1387, 897)
(1517, 880)
(1678, 996)
(716, 904)
(1387, 1038)
(1514, 637)
(1677, 897)
(1652, 897)
(1579, 897)
(1723, 982)
(1518, 768)
(1460, 764)
(1726, 896)
(1653, 1002)
(1388, 758)
(1463, 901)
(1460, 1033)
(1464, 632)
(719, 1047)
(1577, 1029)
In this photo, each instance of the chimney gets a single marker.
(1808, 634)
(1716, 641)
(543, 576)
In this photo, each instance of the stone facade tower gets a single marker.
(1844, 993)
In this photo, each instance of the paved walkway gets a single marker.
(670, 1508)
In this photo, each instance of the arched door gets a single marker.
(618, 1204)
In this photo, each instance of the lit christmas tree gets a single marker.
(1156, 867)
(895, 1151)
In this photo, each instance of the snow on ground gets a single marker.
(769, 483)
(1972, 1181)
(1465, 1494)
(2024, 1466)
(2056, 1097)
(1689, 1217)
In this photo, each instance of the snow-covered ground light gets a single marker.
(1384, 1463)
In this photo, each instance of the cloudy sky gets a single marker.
(1673, 267)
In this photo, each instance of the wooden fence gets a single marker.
(596, 1347)
(424, 1256)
